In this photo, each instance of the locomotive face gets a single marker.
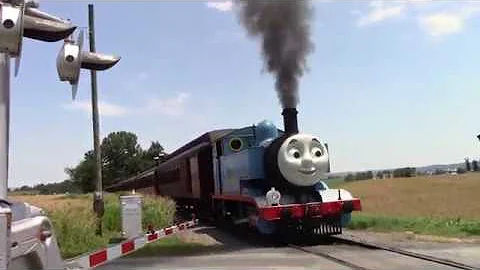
(302, 159)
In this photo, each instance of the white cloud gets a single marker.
(447, 23)
(381, 11)
(419, 2)
(436, 18)
(104, 108)
(172, 106)
(441, 24)
(220, 5)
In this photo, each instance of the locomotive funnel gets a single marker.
(290, 120)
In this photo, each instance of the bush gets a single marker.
(349, 177)
(75, 231)
(158, 212)
(75, 223)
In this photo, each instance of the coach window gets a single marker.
(189, 176)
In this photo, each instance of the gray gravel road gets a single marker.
(230, 252)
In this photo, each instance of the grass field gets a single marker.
(335, 182)
(441, 205)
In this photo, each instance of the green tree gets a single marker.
(404, 172)
(122, 157)
(349, 177)
(475, 166)
(25, 188)
(467, 165)
(83, 175)
(154, 152)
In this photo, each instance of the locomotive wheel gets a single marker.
(221, 219)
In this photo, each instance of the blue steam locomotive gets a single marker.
(257, 175)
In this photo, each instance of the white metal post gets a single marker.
(5, 239)
(4, 122)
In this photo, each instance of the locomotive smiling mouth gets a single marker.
(307, 171)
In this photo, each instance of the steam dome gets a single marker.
(265, 131)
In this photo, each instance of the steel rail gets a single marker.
(329, 257)
(412, 254)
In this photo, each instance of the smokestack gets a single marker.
(290, 120)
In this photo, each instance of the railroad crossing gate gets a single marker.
(113, 252)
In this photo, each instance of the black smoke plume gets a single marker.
(284, 26)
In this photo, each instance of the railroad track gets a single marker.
(408, 253)
(347, 241)
(330, 257)
(361, 243)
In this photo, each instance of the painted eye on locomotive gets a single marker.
(302, 159)
(236, 144)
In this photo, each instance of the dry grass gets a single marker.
(444, 196)
(55, 202)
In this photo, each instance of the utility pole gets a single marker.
(98, 204)
(4, 121)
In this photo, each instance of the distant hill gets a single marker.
(441, 167)
(423, 169)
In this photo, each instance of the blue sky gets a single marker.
(390, 83)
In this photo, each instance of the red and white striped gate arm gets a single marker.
(113, 252)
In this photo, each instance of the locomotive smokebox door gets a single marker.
(131, 215)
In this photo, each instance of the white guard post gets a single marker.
(131, 207)
(104, 255)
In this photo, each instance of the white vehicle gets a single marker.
(27, 241)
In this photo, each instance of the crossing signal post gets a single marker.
(70, 60)
(98, 203)
(19, 19)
